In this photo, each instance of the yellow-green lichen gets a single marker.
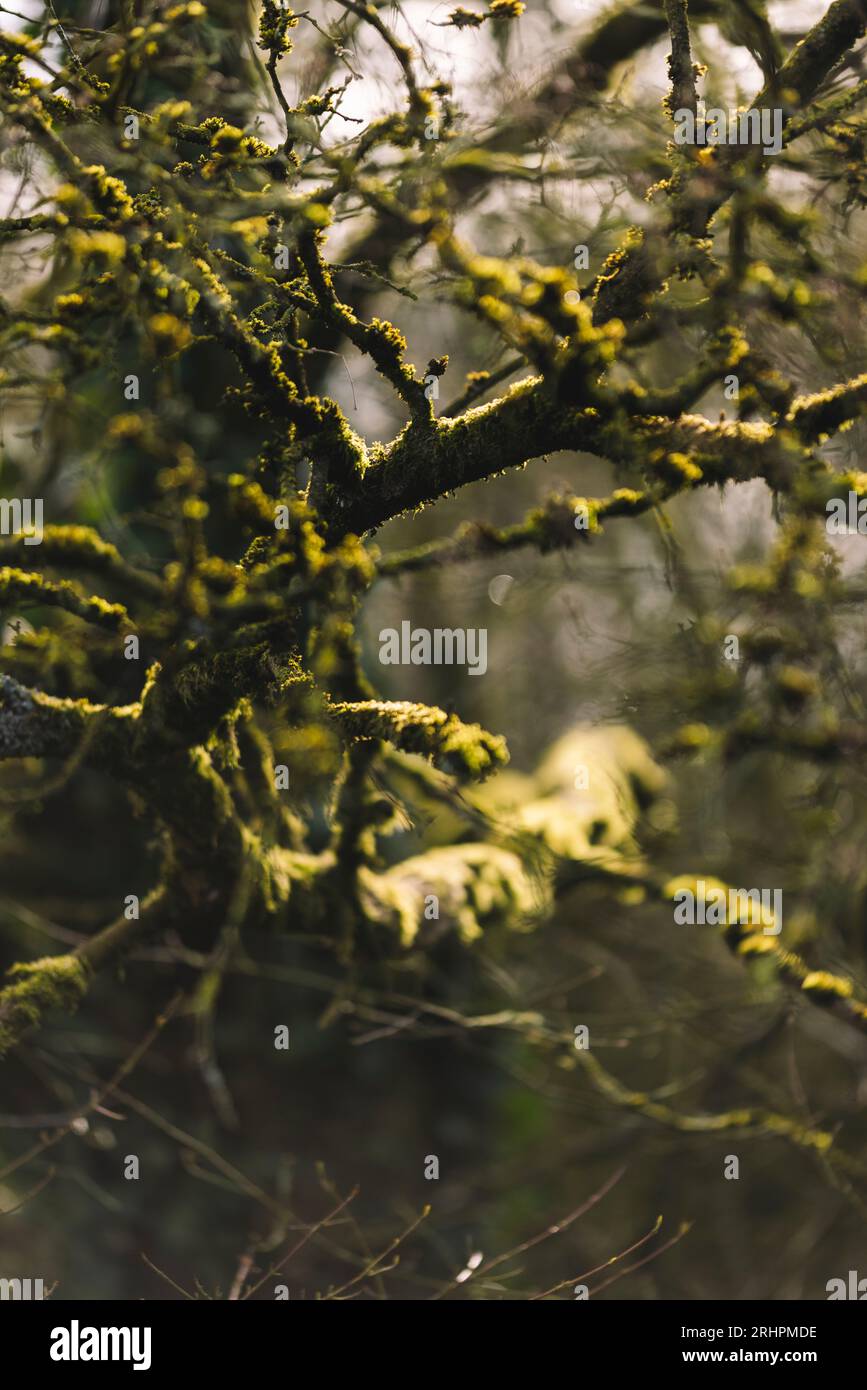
(53, 982)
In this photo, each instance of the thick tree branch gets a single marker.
(683, 94)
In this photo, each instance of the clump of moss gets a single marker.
(53, 982)
(469, 889)
(824, 986)
(465, 750)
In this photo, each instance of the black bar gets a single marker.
(617, 1336)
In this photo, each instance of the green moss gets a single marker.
(22, 587)
(466, 750)
(477, 888)
(826, 986)
(54, 982)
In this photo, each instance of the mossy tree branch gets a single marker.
(251, 617)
